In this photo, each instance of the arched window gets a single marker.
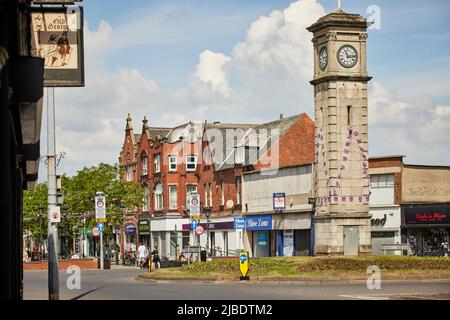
(158, 197)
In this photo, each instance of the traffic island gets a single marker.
(309, 270)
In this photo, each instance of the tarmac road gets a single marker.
(120, 284)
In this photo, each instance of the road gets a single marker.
(121, 284)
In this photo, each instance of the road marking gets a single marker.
(361, 297)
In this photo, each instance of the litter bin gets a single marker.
(203, 255)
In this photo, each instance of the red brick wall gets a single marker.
(63, 265)
(296, 146)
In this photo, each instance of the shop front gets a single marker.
(219, 236)
(293, 234)
(144, 232)
(260, 235)
(385, 229)
(426, 228)
(168, 236)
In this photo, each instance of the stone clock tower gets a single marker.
(341, 177)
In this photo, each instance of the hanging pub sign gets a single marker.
(57, 37)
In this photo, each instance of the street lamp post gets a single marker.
(207, 233)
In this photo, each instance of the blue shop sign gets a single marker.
(239, 223)
(130, 230)
(258, 223)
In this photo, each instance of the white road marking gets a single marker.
(361, 297)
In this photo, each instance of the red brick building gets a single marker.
(208, 158)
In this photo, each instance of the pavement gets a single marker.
(120, 284)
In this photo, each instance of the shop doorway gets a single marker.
(351, 241)
(302, 240)
(261, 243)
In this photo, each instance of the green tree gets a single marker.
(35, 212)
(79, 193)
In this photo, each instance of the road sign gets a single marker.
(194, 224)
(54, 214)
(244, 265)
(279, 201)
(95, 232)
(101, 226)
(199, 230)
(100, 208)
(194, 204)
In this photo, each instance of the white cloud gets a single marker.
(418, 129)
(266, 74)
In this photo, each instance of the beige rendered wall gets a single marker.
(421, 184)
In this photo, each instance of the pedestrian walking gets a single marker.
(156, 259)
(142, 254)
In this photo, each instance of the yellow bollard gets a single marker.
(244, 265)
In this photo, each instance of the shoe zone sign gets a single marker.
(258, 223)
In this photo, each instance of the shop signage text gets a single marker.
(258, 223)
(427, 215)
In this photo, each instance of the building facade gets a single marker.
(21, 95)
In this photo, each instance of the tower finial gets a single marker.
(339, 4)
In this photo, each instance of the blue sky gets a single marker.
(248, 61)
(414, 38)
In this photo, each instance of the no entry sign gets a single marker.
(54, 214)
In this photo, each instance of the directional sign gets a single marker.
(100, 209)
(54, 214)
(101, 226)
(243, 265)
(194, 224)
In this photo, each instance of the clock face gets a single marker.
(323, 58)
(347, 56)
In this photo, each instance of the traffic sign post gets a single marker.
(194, 215)
(100, 217)
(244, 265)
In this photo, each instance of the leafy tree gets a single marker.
(35, 212)
(79, 193)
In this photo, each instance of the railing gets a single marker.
(397, 247)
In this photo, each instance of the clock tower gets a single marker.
(341, 176)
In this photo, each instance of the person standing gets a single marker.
(142, 253)
(156, 259)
